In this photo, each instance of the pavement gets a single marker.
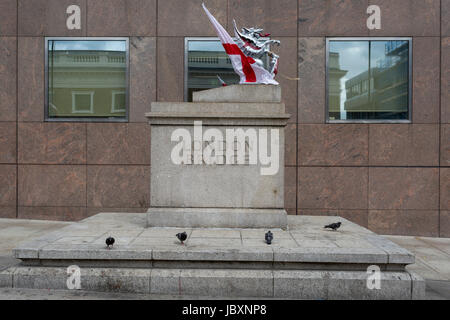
(432, 263)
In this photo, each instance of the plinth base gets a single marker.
(305, 261)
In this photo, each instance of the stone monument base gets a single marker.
(218, 217)
(240, 186)
(305, 261)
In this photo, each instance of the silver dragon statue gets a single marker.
(251, 43)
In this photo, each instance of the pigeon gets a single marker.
(182, 236)
(109, 242)
(269, 237)
(333, 226)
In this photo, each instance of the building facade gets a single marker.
(371, 143)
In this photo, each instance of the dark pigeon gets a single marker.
(182, 236)
(109, 242)
(269, 237)
(333, 226)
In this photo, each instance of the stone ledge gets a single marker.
(240, 93)
(304, 245)
(331, 255)
(337, 285)
(218, 108)
(91, 252)
(294, 284)
(234, 120)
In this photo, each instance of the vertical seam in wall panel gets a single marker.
(297, 126)
(87, 32)
(156, 54)
(368, 174)
(325, 112)
(368, 3)
(227, 15)
(17, 109)
(440, 118)
(86, 170)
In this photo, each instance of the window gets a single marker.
(82, 101)
(86, 79)
(118, 101)
(369, 79)
(205, 59)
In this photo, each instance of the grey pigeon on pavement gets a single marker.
(269, 237)
(109, 242)
(333, 226)
(182, 236)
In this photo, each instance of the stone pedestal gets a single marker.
(305, 261)
(196, 193)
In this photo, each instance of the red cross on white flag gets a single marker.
(244, 66)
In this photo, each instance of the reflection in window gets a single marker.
(118, 101)
(87, 78)
(83, 101)
(368, 79)
(207, 59)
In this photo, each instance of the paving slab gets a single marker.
(437, 290)
(7, 262)
(15, 231)
(216, 233)
(442, 244)
(315, 243)
(276, 243)
(214, 242)
(432, 259)
(260, 233)
(163, 232)
(424, 270)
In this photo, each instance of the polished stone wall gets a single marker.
(392, 178)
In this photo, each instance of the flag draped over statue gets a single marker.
(244, 66)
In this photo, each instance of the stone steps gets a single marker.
(304, 262)
(304, 284)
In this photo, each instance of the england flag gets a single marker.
(245, 67)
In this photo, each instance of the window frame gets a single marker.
(91, 99)
(74, 118)
(410, 79)
(185, 61)
(113, 100)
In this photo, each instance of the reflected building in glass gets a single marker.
(207, 59)
(381, 92)
(374, 80)
(87, 79)
(335, 74)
